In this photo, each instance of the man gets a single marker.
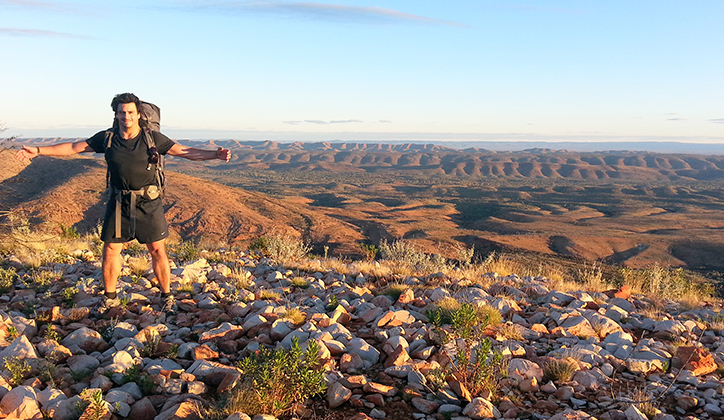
(131, 168)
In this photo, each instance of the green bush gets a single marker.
(476, 364)
(68, 232)
(369, 251)
(187, 251)
(259, 244)
(284, 248)
(7, 279)
(68, 295)
(404, 252)
(17, 368)
(273, 381)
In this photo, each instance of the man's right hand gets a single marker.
(26, 153)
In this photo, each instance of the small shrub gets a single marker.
(69, 232)
(40, 280)
(97, 408)
(259, 244)
(394, 290)
(124, 301)
(333, 302)
(481, 372)
(272, 381)
(17, 368)
(185, 288)
(369, 252)
(132, 373)
(187, 251)
(7, 279)
(286, 248)
(449, 311)
(48, 373)
(560, 370)
(12, 333)
(172, 352)
(52, 334)
(465, 256)
(403, 252)
(68, 295)
(150, 345)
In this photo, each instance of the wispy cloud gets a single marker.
(386, 121)
(46, 6)
(320, 11)
(717, 120)
(39, 33)
(676, 119)
(321, 122)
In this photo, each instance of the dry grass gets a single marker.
(510, 332)
(269, 295)
(644, 402)
(138, 266)
(560, 370)
(295, 315)
(598, 326)
(658, 282)
(394, 290)
(285, 248)
(299, 282)
(241, 278)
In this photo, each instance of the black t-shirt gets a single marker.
(128, 159)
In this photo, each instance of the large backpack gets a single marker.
(150, 120)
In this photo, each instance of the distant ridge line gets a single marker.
(463, 146)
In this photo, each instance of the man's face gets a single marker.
(127, 115)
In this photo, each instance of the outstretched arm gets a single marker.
(60, 149)
(192, 153)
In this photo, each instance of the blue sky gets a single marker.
(369, 70)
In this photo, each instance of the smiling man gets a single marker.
(134, 210)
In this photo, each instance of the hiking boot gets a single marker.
(168, 304)
(106, 304)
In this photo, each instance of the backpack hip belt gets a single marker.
(149, 192)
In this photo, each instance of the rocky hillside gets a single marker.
(429, 159)
(71, 192)
(565, 355)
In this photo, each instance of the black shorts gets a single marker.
(150, 223)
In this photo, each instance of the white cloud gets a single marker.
(39, 33)
(321, 11)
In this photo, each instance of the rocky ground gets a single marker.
(380, 352)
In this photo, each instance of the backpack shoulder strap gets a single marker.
(148, 137)
(160, 175)
(107, 145)
(108, 140)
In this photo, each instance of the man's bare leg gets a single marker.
(159, 262)
(111, 265)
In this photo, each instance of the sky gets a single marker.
(410, 70)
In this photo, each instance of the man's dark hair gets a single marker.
(125, 98)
